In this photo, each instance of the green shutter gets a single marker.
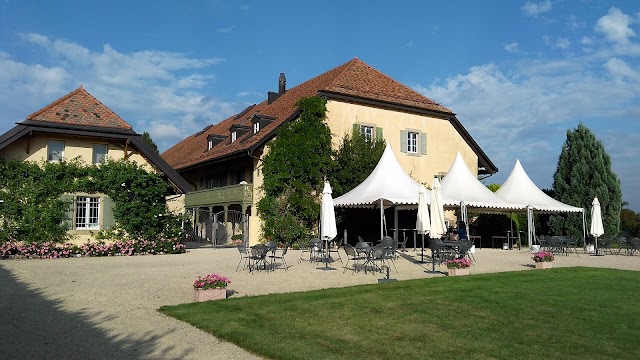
(356, 128)
(107, 213)
(423, 143)
(68, 213)
(379, 133)
(403, 140)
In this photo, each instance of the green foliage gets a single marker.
(630, 222)
(147, 138)
(355, 160)
(297, 161)
(33, 210)
(584, 172)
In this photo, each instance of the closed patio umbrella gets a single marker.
(328, 229)
(437, 227)
(597, 229)
(423, 222)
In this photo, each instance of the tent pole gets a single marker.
(395, 223)
(381, 220)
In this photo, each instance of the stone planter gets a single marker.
(458, 272)
(544, 265)
(209, 294)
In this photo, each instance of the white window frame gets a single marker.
(102, 158)
(234, 136)
(55, 154)
(412, 142)
(368, 132)
(209, 144)
(256, 127)
(87, 213)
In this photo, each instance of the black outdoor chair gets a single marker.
(258, 257)
(282, 257)
(352, 255)
(623, 244)
(334, 248)
(244, 256)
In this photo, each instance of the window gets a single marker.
(209, 144)
(234, 136)
(217, 181)
(367, 132)
(55, 151)
(99, 153)
(87, 212)
(412, 142)
(256, 127)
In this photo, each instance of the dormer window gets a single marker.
(238, 131)
(213, 140)
(260, 121)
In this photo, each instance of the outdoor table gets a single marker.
(259, 256)
(496, 237)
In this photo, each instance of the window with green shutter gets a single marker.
(68, 214)
(108, 221)
(403, 140)
(423, 143)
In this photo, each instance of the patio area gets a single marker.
(106, 307)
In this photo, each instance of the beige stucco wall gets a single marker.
(443, 141)
(255, 223)
(35, 149)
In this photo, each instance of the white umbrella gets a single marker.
(437, 227)
(596, 221)
(328, 229)
(423, 223)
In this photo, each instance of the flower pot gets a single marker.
(505, 246)
(534, 248)
(210, 294)
(544, 265)
(458, 272)
(591, 248)
(473, 249)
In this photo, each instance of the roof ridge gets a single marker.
(348, 65)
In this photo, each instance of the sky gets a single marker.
(518, 74)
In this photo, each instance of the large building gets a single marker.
(79, 126)
(222, 161)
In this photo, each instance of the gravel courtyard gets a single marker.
(105, 308)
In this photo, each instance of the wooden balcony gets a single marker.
(241, 194)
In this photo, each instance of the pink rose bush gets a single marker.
(461, 263)
(543, 256)
(211, 281)
(51, 250)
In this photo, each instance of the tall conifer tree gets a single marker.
(584, 172)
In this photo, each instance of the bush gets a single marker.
(52, 250)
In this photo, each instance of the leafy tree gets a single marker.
(297, 162)
(630, 222)
(355, 160)
(584, 172)
(147, 138)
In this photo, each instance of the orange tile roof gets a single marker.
(79, 108)
(354, 78)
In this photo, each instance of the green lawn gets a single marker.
(566, 313)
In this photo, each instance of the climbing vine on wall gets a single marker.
(33, 208)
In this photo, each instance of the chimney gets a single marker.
(282, 88)
(282, 84)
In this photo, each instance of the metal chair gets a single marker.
(258, 256)
(244, 256)
(304, 247)
(352, 255)
(334, 248)
(274, 257)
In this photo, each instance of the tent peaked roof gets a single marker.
(520, 189)
(460, 185)
(388, 182)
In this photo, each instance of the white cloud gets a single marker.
(226, 30)
(535, 9)
(615, 26)
(620, 69)
(156, 91)
(563, 43)
(512, 47)
(585, 40)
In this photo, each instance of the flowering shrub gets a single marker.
(211, 281)
(461, 263)
(543, 256)
(99, 248)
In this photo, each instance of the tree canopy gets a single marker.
(584, 172)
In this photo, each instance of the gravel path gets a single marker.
(105, 308)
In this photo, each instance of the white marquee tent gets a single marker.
(519, 188)
(387, 185)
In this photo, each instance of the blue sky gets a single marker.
(518, 74)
